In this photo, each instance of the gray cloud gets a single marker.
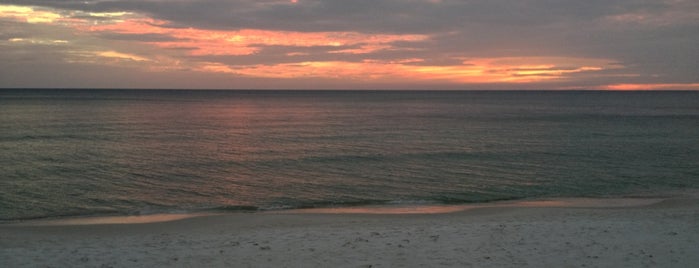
(364, 15)
(138, 37)
(656, 40)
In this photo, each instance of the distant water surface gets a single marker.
(94, 152)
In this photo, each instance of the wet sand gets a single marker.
(545, 233)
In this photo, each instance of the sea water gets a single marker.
(131, 152)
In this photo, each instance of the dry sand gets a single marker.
(555, 233)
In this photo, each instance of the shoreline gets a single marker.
(637, 199)
(386, 209)
(662, 233)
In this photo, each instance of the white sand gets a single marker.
(557, 233)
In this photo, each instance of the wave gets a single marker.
(265, 208)
(54, 137)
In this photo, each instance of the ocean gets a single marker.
(134, 152)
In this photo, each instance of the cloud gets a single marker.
(28, 14)
(369, 15)
(119, 55)
(544, 42)
(247, 41)
(501, 70)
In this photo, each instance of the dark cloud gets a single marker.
(137, 37)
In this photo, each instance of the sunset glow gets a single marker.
(690, 86)
(143, 41)
(476, 71)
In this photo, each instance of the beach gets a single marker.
(544, 233)
(385, 133)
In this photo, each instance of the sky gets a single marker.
(350, 44)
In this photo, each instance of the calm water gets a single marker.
(87, 152)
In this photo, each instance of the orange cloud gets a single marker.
(247, 41)
(495, 70)
(122, 56)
